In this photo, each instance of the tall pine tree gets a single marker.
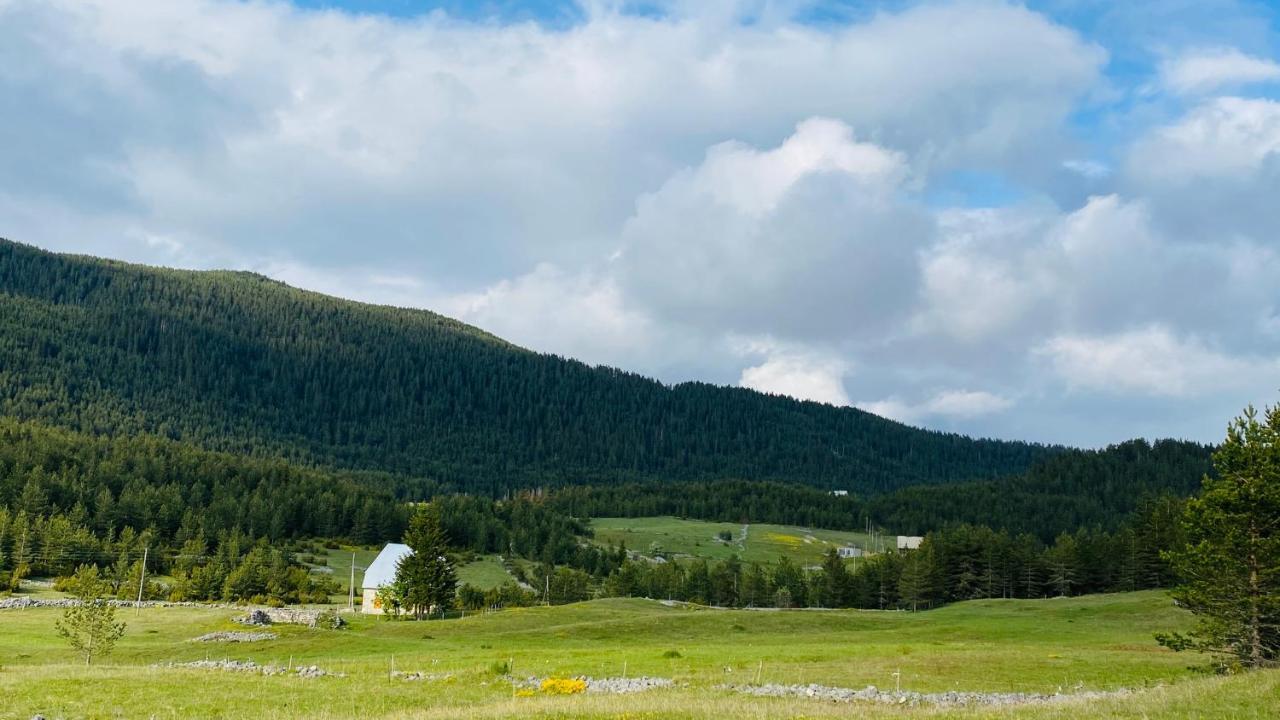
(1231, 563)
(426, 577)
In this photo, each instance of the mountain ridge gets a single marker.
(234, 361)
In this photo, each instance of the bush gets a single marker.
(500, 667)
(671, 654)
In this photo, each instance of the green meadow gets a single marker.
(1044, 646)
(762, 543)
(485, 571)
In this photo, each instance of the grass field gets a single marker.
(697, 538)
(1099, 642)
(485, 572)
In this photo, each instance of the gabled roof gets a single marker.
(382, 571)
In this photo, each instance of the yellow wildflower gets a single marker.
(563, 686)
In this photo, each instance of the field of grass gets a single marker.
(698, 538)
(1098, 642)
(484, 572)
(338, 562)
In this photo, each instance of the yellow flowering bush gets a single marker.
(563, 686)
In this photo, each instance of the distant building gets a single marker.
(840, 493)
(381, 573)
(850, 552)
(909, 542)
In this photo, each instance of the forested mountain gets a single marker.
(236, 362)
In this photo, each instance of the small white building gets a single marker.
(381, 572)
(909, 542)
(840, 493)
(849, 552)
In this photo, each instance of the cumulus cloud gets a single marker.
(1153, 360)
(1205, 70)
(807, 239)
(800, 376)
(1214, 173)
(476, 151)
(578, 314)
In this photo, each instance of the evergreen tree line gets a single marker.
(238, 363)
(963, 562)
(72, 487)
(232, 568)
(1069, 490)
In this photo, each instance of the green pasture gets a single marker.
(763, 543)
(1091, 643)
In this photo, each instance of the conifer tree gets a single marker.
(915, 584)
(1230, 566)
(89, 625)
(426, 577)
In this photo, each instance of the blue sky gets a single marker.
(1051, 220)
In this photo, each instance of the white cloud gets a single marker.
(472, 152)
(1206, 70)
(1224, 138)
(952, 404)
(579, 314)
(797, 372)
(807, 239)
(1154, 361)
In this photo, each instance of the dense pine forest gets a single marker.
(1069, 490)
(239, 363)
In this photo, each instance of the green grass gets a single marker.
(697, 538)
(1098, 642)
(339, 561)
(485, 572)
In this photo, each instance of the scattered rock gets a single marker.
(623, 686)
(22, 603)
(305, 671)
(613, 686)
(255, 617)
(292, 616)
(948, 699)
(419, 675)
(236, 637)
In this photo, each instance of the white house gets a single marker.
(849, 552)
(909, 542)
(381, 572)
(840, 493)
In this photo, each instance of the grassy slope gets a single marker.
(485, 572)
(764, 543)
(1101, 642)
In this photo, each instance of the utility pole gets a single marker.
(142, 577)
(352, 586)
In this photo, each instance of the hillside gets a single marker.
(236, 362)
